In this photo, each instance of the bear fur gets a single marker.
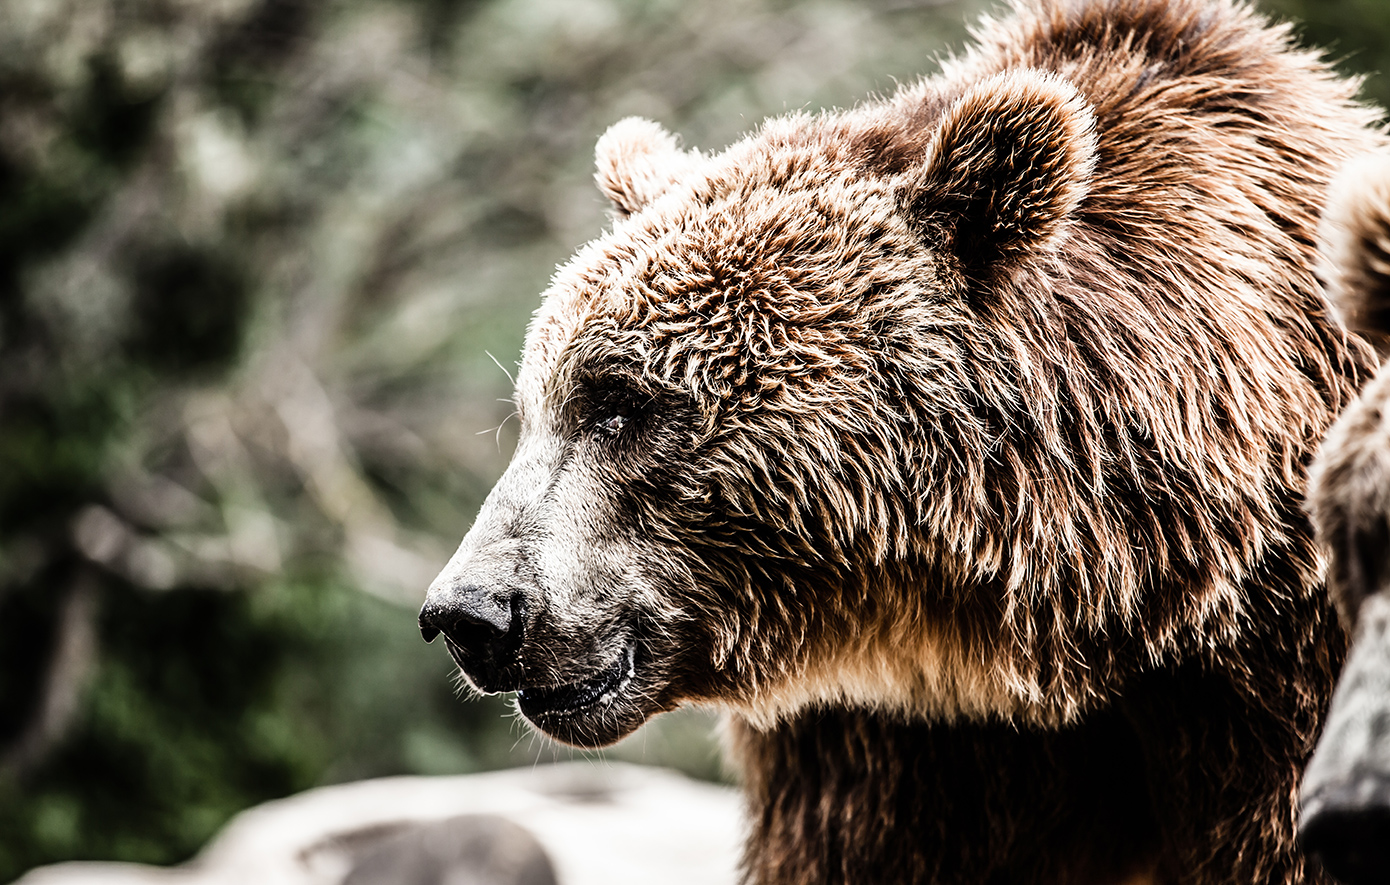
(953, 444)
(1345, 800)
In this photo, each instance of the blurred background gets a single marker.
(264, 268)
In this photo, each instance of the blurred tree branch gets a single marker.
(64, 676)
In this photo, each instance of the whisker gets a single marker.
(500, 366)
(497, 438)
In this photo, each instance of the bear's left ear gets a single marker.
(636, 160)
(1009, 163)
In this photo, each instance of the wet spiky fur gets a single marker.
(955, 444)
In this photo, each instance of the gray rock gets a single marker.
(574, 824)
(471, 849)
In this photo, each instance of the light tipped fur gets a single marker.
(1354, 240)
(637, 161)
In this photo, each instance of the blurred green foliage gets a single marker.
(1353, 33)
(256, 257)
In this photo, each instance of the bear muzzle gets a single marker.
(586, 689)
(484, 629)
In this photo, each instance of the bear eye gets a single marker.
(613, 424)
(615, 410)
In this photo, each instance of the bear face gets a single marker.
(1345, 796)
(723, 388)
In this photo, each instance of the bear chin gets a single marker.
(596, 711)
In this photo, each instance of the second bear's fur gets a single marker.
(955, 445)
(1346, 789)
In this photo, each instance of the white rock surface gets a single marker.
(601, 824)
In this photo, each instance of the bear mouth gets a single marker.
(579, 698)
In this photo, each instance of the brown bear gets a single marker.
(955, 445)
(1346, 791)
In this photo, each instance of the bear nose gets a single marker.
(1352, 841)
(476, 619)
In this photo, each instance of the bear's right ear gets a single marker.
(637, 161)
(1354, 247)
(1007, 167)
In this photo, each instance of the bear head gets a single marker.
(749, 409)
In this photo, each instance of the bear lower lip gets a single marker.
(560, 700)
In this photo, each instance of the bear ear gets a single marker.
(637, 161)
(1007, 167)
(1354, 247)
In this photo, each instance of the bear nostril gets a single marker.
(476, 620)
(516, 630)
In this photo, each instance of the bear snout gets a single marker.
(484, 628)
(1349, 837)
(1346, 788)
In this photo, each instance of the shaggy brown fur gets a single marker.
(1346, 792)
(955, 445)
